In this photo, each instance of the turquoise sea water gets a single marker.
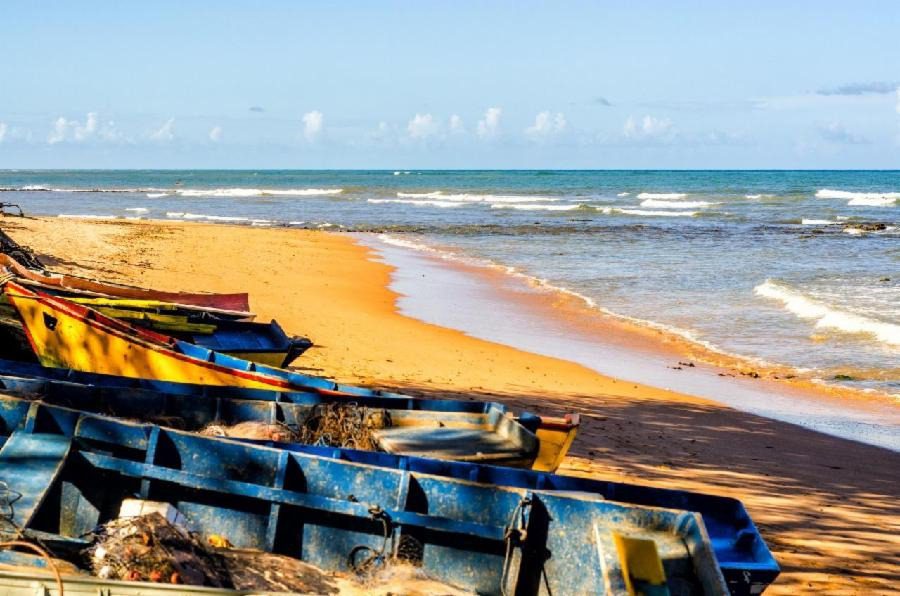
(799, 268)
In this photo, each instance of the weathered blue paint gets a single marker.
(742, 555)
(318, 509)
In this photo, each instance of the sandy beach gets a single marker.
(827, 507)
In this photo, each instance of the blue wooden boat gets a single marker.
(442, 429)
(70, 472)
(742, 555)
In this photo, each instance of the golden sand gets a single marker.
(827, 507)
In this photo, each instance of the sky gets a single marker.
(433, 84)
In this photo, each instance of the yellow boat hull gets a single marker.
(68, 336)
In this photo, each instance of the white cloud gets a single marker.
(456, 124)
(489, 126)
(164, 133)
(73, 130)
(835, 132)
(422, 126)
(546, 124)
(313, 122)
(647, 127)
(897, 107)
(3, 129)
(215, 134)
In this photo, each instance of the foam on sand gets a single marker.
(826, 317)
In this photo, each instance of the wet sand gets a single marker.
(828, 507)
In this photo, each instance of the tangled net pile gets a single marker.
(149, 548)
(344, 425)
(330, 425)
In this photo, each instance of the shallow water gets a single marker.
(782, 267)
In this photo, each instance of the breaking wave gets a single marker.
(663, 204)
(536, 207)
(867, 199)
(474, 198)
(826, 317)
(417, 202)
(662, 195)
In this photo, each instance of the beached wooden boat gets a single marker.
(231, 302)
(743, 558)
(264, 343)
(444, 429)
(71, 471)
(456, 429)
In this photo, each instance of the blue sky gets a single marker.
(450, 84)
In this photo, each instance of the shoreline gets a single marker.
(557, 323)
(827, 507)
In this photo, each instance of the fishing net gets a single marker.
(150, 548)
(333, 425)
(344, 425)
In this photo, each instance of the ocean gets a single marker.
(796, 269)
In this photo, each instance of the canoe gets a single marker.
(743, 557)
(264, 343)
(71, 472)
(442, 429)
(232, 302)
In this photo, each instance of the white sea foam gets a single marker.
(156, 195)
(753, 196)
(652, 213)
(535, 207)
(417, 202)
(826, 317)
(623, 194)
(818, 222)
(257, 192)
(137, 209)
(474, 198)
(662, 204)
(861, 199)
(873, 201)
(662, 195)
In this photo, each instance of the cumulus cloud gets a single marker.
(546, 124)
(3, 129)
(648, 127)
(456, 124)
(489, 126)
(313, 122)
(422, 126)
(835, 132)
(73, 130)
(215, 134)
(164, 133)
(876, 87)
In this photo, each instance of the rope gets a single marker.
(376, 556)
(514, 531)
(46, 556)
